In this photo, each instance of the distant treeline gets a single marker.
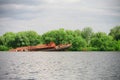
(81, 40)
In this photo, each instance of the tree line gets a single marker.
(81, 40)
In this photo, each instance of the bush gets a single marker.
(78, 43)
(3, 48)
(92, 49)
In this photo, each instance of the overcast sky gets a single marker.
(44, 15)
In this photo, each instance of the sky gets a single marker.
(45, 15)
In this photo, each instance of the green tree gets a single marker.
(70, 35)
(4, 48)
(78, 43)
(102, 42)
(62, 36)
(56, 36)
(1, 40)
(78, 32)
(33, 37)
(118, 45)
(26, 38)
(5, 41)
(8, 38)
(115, 32)
(21, 40)
(87, 34)
(80, 40)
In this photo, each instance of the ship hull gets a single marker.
(44, 47)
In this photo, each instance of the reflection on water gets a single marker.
(60, 66)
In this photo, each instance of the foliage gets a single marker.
(115, 32)
(21, 40)
(33, 37)
(7, 38)
(1, 40)
(87, 34)
(27, 38)
(77, 44)
(56, 36)
(3, 48)
(116, 45)
(62, 36)
(102, 42)
(84, 40)
(70, 35)
(78, 32)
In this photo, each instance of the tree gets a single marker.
(57, 36)
(78, 43)
(80, 40)
(102, 41)
(21, 40)
(117, 45)
(115, 32)
(78, 32)
(70, 35)
(26, 38)
(7, 39)
(87, 34)
(33, 37)
(1, 40)
(62, 36)
(4, 48)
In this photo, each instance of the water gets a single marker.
(60, 66)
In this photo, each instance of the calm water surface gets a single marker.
(60, 66)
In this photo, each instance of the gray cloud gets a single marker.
(27, 2)
(44, 15)
(13, 8)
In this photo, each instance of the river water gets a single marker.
(60, 66)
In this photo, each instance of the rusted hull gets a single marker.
(45, 47)
(60, 48)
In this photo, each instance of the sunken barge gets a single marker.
(42, 47)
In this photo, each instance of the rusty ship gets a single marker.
(42, 47)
